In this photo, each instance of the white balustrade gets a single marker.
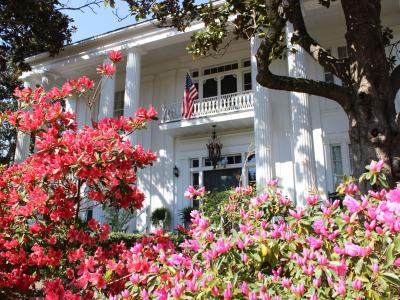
(234, 102)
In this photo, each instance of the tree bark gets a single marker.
(373, 129)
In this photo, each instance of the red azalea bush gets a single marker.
(45, 247)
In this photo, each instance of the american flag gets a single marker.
(189, 96)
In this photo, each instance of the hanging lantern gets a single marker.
(214, 149)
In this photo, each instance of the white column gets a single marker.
(302, 141)
(132, 85)
(106, 104)
(22, 142)
(262, 124)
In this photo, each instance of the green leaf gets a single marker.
(392, 278)
(108, 274)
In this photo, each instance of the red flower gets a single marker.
(106, 69)
(114, 56)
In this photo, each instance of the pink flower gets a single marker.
(114, 56)
(352, 204)
(376, 167)
(245, 288)
(253, 296)
(312, 199)
(357, 284)
(228, 291)
(317, 282)
(286, 282)
(125, 293)
(298, 213)
(314, 296)
(341, 287)
(273, 183)
(375, 268)
(191, 192)
(298, 290)
(355, 250)
(315, 243)
(393, 195)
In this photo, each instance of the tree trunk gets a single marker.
(373, 131)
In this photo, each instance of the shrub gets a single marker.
(161, 217)
(46, 250)
(280, 251)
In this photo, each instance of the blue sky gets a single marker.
(90, 24)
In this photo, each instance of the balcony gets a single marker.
(209, 107)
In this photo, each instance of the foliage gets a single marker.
(161, 217)
(320, 251)
(117, 217)
(213, 207)
(185, 215)
(45, 248)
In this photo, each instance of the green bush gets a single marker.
(161, 217)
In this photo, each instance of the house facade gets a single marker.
(300, 139)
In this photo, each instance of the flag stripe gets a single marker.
(190, 94)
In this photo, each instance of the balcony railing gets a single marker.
(205, 107)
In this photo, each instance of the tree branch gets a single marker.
(395, 79)
(267, 79)
(311, 46)
(88, 4)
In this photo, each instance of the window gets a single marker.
(220, 69)
(89, 214)
(251, 175)
(247, 84)
(337, 164)
(119, 104)
(194, 163)
(210, 87)
(246, 63)
(223, 79)
(225, 160)
(228, 84)
(351, 158)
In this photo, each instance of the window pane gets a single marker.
(246, 63)
(195, 163)
(251, 175)
(195, 180)
(251, 158)
(119, 104)
(221, 180)
(238, 159)
(247, 81)
(337, 164)
(228, 84)
(231, 160)
(210, 88)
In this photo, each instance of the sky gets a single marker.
(102, 20)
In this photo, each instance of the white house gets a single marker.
(298, 138)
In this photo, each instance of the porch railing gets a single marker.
(240, 101)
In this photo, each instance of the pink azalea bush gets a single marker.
(278, 251)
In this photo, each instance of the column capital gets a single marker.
(136, 50)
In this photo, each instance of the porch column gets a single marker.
(132, 85)
(302, 142)
(106, 104)
(262, 124)
(23, 141)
